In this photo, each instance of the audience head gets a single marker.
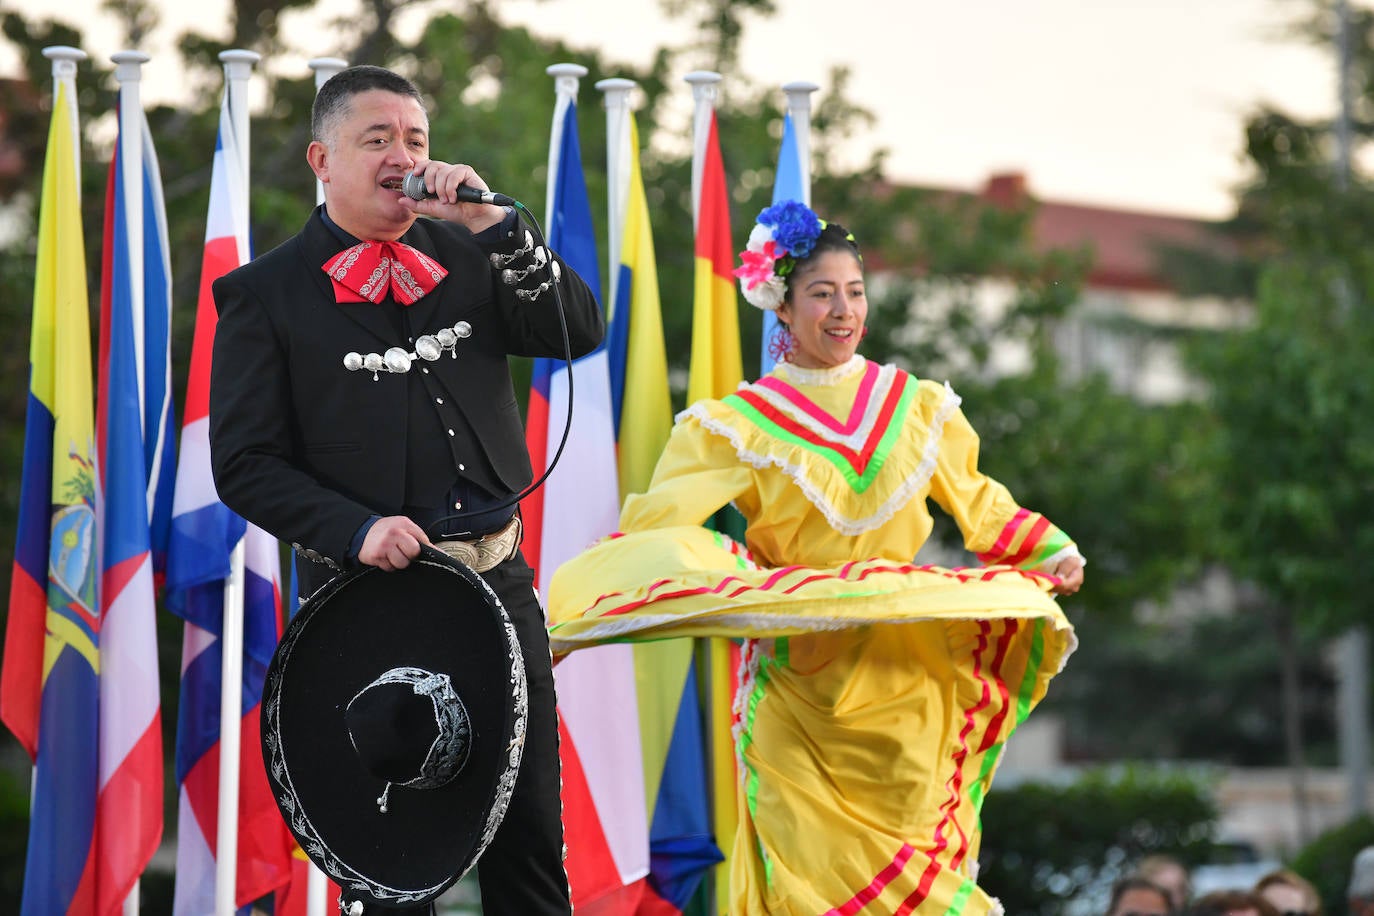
(1137, 896)
(1168, 873)
(1290, 893)
(1360, 891)
(1231, 903)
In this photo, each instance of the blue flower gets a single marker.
(795, 227)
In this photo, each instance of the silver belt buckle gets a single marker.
(488, 551)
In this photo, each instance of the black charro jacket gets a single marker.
(307, 449)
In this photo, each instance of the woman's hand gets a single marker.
(1070, 573)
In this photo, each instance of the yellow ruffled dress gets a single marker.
(876, 695)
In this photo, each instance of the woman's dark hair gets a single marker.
(833, 237)
(335, 96)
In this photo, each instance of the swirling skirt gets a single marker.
(875, 700)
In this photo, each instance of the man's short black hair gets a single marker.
(333, 99)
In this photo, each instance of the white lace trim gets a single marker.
(833, 516)
(832, 375)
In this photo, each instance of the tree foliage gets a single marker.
(1051, 849)
(1290, 391)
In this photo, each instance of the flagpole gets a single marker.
(798, 95)
(129, 74)
(238, 67)
(324, 68)
(705, 92)
(567, 78)
(317, 885)
(617, 101)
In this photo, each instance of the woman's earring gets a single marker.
(781, 344)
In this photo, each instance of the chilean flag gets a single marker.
(204, 533)
(604, 820)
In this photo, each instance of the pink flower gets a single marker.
(757, 266)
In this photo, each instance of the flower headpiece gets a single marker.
(783, 234)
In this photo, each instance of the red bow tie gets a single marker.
(368, 270)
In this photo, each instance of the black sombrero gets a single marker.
(392, 727)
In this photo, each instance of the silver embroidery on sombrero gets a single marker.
(314, 846)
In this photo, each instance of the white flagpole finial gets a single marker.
(325, 67)
(567, 79)
(64, 59)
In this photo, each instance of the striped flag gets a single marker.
(716, 370)
(579, 503)
(639, 364)
(132, 413)
(669, 717)
(204, 532)
(603, 799)
(788, 184)
(49, 682)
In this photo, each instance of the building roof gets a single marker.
(1126, 244)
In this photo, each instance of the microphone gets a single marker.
(413, 186)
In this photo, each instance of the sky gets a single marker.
(1136, 104)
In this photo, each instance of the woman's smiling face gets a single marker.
(825, 310)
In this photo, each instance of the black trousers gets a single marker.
(521, 873)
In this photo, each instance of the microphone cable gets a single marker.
(515, 500)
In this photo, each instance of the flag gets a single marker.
(669, 716)
(132, 409)
(204, 533)
(579, 503)
(603, 799)
(788, 184)
(716, 370)
(292, 898)
(49, 682)
(639, 364)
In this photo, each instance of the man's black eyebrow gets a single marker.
(382, 126)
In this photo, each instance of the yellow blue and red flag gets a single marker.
(638, 361)
(49, 682)
(675, 788)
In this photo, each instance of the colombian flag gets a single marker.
(639, 364)
(680, 845)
